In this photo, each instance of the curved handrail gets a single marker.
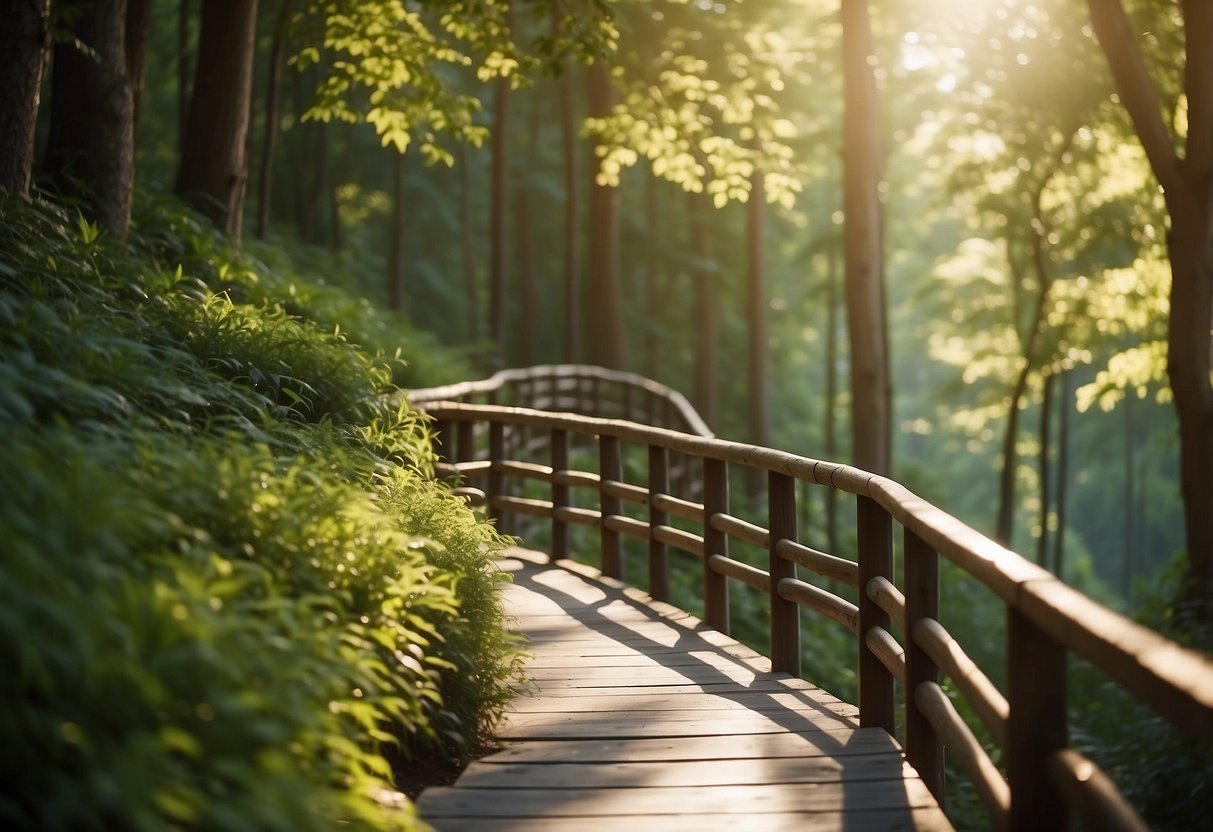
(1046, 618)
(563, 387)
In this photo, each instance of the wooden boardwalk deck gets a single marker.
(640, 716)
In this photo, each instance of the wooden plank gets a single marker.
(657, 801)
(688, 773)
(662, 724)
(746, 747)
(685, 702)
(885, 820)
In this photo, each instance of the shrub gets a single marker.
(229, 586)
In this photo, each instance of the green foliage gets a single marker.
(230, 592)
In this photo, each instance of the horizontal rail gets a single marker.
(627, 525)
(891, 654)
(576, 479)
(676, 507)
(991, 787)
(522, 505)
(577, 516)
(740, 529)
(1099, 803)
(738, 571)
(526, 470)
(625, 491)
(828, 604)
(827, 566)
(889, 598)
(686, 541)
(987, 702)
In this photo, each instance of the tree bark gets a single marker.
(1063, 474)
(831, 407)
(706, 324)
(269, 142)
(138, 29)
(604, 308)
(1046, 496)
(184, 73)
(90, 145)
(528, 292)
(214, 160)
(757, 304)
(498, 220)
(870, 384)
(24, 38)
(1187, 184)
(572, 230)
(471, 285)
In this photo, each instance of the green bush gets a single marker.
(230, 590)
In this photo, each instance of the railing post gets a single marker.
(610, 467)
(496, 485)
(875, 560)
(1036, 725)
(442, 441)
(659, 483)
(465, 441)
(923, 748)
(560, 494)
(715, 501)
(785, 614)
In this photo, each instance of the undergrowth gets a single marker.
(231, 596)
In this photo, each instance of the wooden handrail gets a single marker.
(1046, 618)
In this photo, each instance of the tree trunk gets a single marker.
(528, 292)
(831, 406)
(269, 142)
(90, 146)
(471, 286)
(655, 319)
(870, 384)
(1063, 474)
(572, 230)
(1188, 186)
(395, 275)
(184, 72)
(23, 41)
(498, 220)
(706, 324)
(757, 304)
(1129, 543)
(1046, 414)
(1189, 367)
(604, 308)
(138, 29)
(214, 164)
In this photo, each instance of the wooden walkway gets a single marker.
(639, 716)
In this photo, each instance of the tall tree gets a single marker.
(871, 387)
(1187, 183)
(214, 165)
(269, 141)
(705, 277)
(604, 306)
(23, 40)
(757, 303)
(90, 149)
(499, 216)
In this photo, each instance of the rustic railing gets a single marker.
(1044, 778)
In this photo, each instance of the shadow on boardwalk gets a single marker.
(637, 714)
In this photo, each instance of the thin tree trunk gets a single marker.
(572, 230)
(138, 29)
(90, 145)
(1046, 413)
(604, 308)
(1063, 474)
(757, 304)
(870, 383)
(269, 143)
(498, 220)
(1128, 564)
(24, 39)
(706, 324)
(471, 286)
(214, 161)
(184, 70)
(395, 275)
(652, 288)
(528, 292)
(831, 403)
